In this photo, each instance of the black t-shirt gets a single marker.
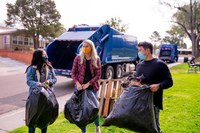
(88, 74)
(155, 71)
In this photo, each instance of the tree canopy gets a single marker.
(37, 17)
(175, 36)
(155, 37)
(117, 24)
(187, 18)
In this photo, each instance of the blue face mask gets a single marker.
(142, 56)
(45, 58)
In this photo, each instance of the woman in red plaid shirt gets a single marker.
(86, 72)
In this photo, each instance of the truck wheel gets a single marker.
(123, 68)
(118, 71)
(176, 59)
(109, 73)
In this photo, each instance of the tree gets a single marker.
(188, 18)
(175, 36)
(56, 30)
(155, 39)
(38, 17)
(117, 24)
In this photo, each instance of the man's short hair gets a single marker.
(146, 45)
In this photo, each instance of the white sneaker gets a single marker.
(98, 130)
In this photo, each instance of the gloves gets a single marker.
(45, 84)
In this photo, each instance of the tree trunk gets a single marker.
(36, 41)
(197, 47)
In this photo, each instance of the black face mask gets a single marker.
(45, 58)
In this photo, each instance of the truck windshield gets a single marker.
(165, 53)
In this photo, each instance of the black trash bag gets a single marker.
(82, 108)
(134, 110)
(40, 110)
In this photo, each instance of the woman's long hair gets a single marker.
(93, 53)
(37, 60)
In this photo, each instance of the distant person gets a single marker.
(86, 72)
(192, 61)
(156, 74)
(39, 72)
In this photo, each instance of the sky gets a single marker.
(142, 16)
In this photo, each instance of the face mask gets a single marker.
(45, 58)
(142, 56)
(86, 50)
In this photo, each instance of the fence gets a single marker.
(23, 56)
(109, 91)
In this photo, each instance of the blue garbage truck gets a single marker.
(168, 53)
(117, 51)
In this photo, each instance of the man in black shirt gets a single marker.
(156, 74)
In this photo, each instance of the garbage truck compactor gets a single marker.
(117, 51)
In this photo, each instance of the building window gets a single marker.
(6, 39)
(14, 39)
(30, 41)
(25, 40)
(20, 40)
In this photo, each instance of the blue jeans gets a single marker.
(96, 121)
(32, 130)
(156, 109)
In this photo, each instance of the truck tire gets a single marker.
(176, 59)
(185, 59)
(109, 73)
(124, 69)
(118, 71)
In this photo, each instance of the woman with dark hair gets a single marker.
(40, 72)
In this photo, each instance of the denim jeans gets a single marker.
(156, 109)
(96, 123)
(32, 130)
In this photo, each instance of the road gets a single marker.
(14, 90)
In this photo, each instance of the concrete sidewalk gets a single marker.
(9, 66)
(16, 118)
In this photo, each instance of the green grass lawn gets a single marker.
(181, 112)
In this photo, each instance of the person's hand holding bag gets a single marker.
(79, 86)
(85, 86)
